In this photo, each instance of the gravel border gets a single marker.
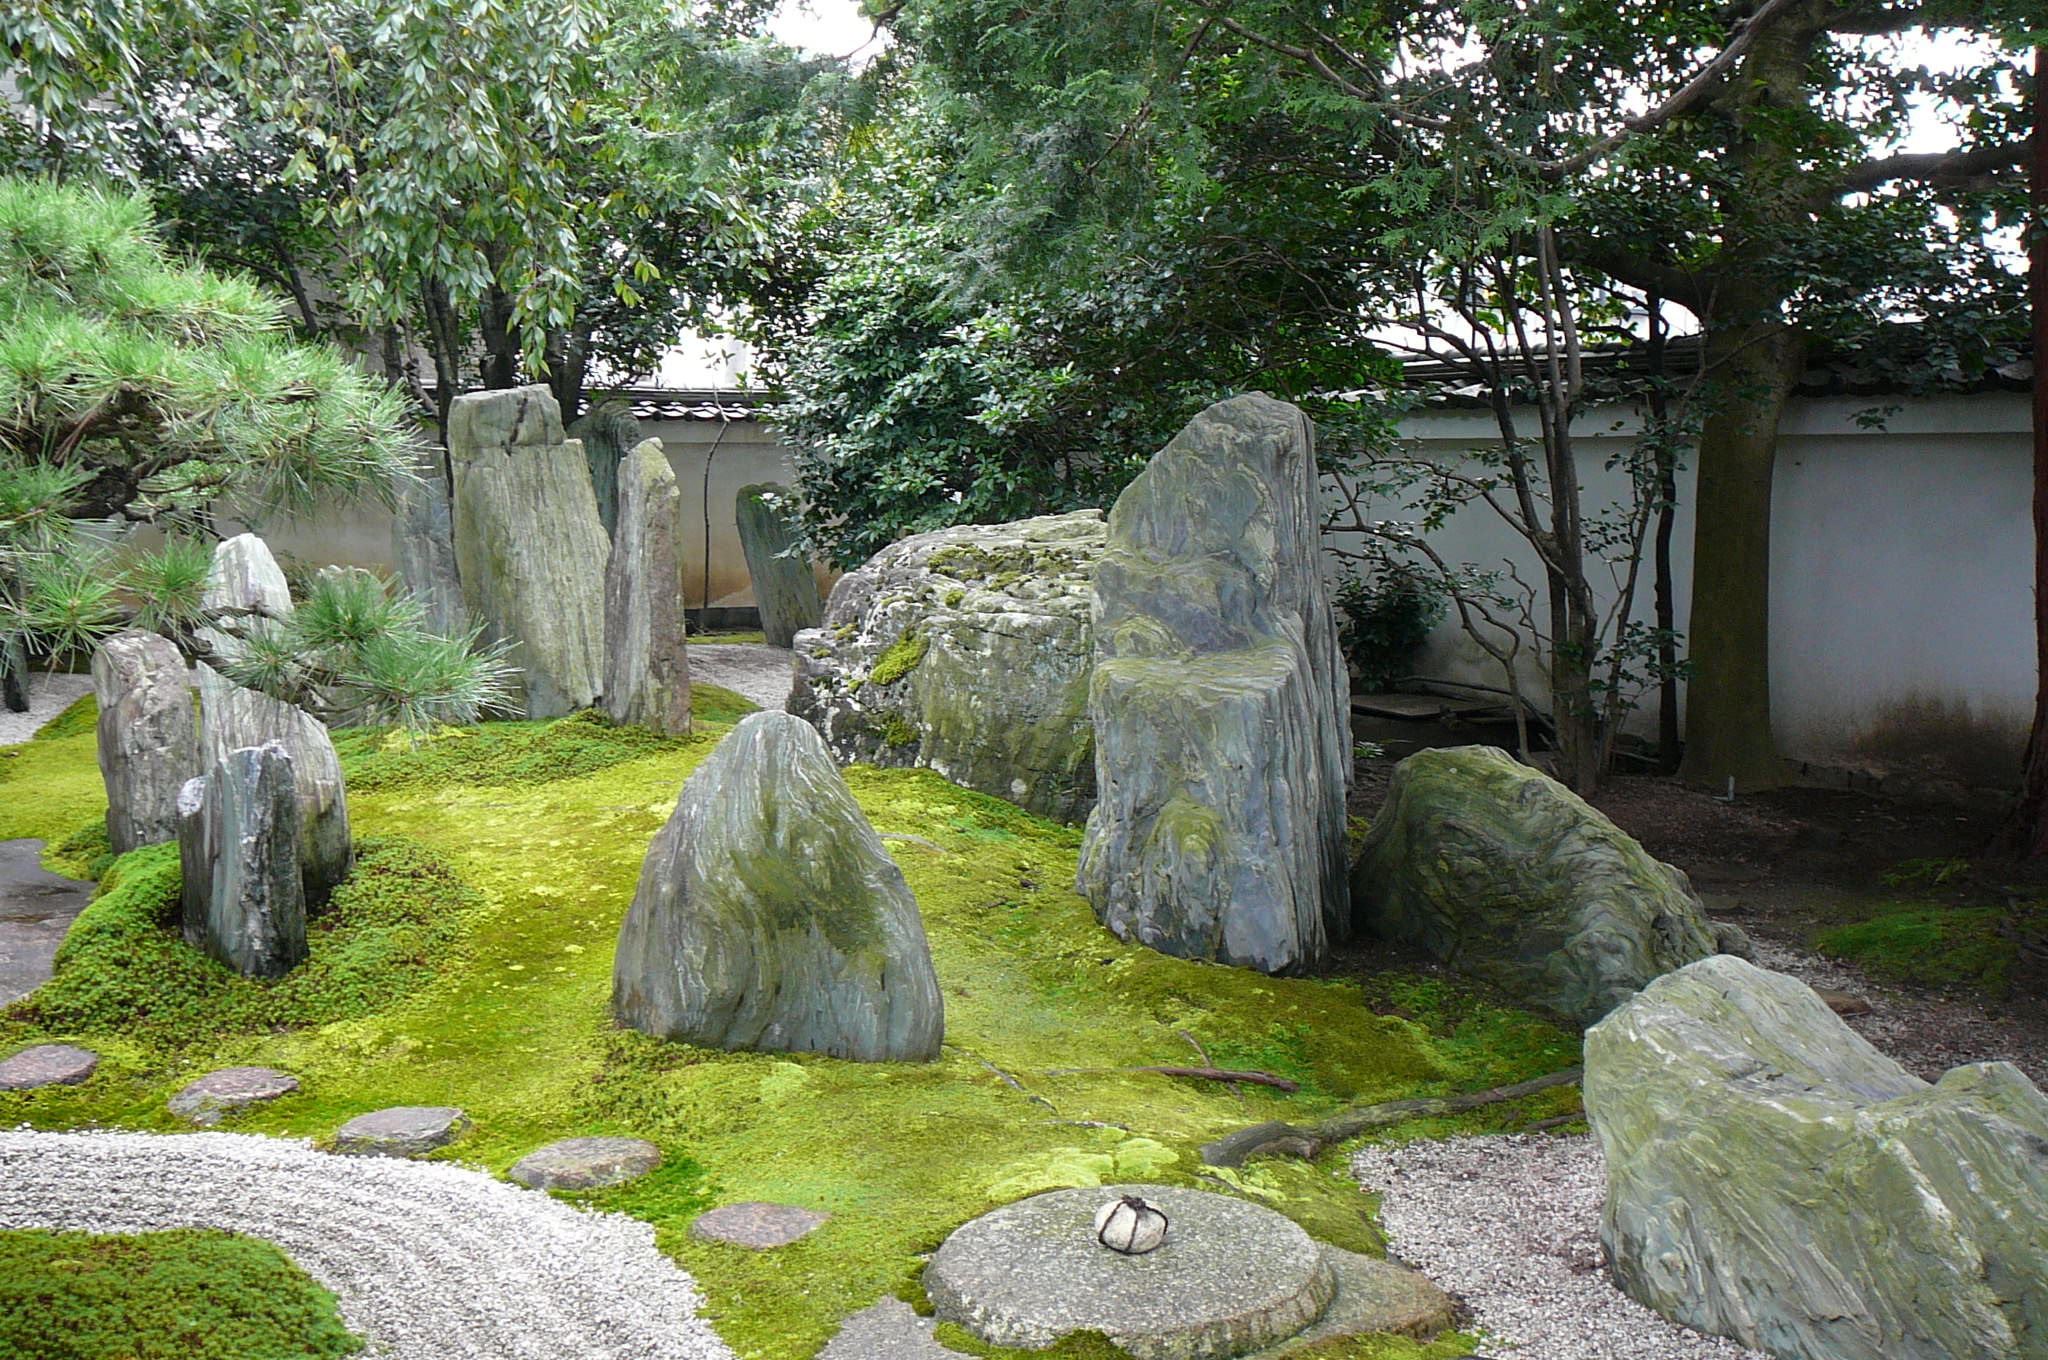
(430, 1261)
(759, 672)
(49, 693)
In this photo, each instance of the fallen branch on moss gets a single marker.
(1278, 1139)
(1222, 1074)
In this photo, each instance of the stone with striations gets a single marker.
(757, 1225)
(1220, 704)
(48, 1065)
(246, 579)
(1773, 1178)
(423, 545)
(234, 718)
(242, 897)
(646, 667)
(1232, 1277)
(148, 736)
(966, 651)
(1507, 875)
(785, 588)
(529, 545)
(607, 432)
(586, 1163)
(216, 1095)
(401, 1131)
(769, 917)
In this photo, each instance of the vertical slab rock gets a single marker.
(423, 545)
(966, 651)
(239, 840)
(528, 543)
(769, 917)
(1773, 1178)
(13, 673)
(234, 718)
(646, 667)
(148, 736)
(785, 589)
(1506, 874)
(1222, 749)
(608, 432)
(245, 576)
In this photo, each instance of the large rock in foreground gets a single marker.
(769, 917)
(646, 669)
(965, 651)
(243, 900)
(1773, 1178)
(785, 588)
(1219, 701)
(1507, 875)
(528, 543)
(148, 736)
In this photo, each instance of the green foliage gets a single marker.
(185, 1294)
(1385, 614)
(1974, 947)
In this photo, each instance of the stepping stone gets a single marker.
(586, 1163)
(232, 1089)
(1373, 1296)
(1231, 1277)
(757, 1225)
(47, 1065)
(891, 1330)
(401, 1131)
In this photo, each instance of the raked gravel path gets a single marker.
(430, 1261)
(760, 673)
(48, 695)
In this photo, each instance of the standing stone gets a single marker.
(245, 577)
(241, 840)
(148, 741)
(1506, 874)
(646, 669)
(967, 651)
(785, 588)
(14, 672)
(608, 432)
(769, 917)
(1773, 1178)
(1219, 702)
(235, 717)
(423, 545)
(529, 545)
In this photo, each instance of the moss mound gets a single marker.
(181, 1295)
(1976, 947)
(81, 719)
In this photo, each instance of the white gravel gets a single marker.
(760, 673)
(1511, 1225)
(48, 695)
(430, 1261)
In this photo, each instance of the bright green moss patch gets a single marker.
(717, 704)
(1934, 946)
(901, 658)
(181, 1295)
(81, 719)
(50, 786)
(374, 758)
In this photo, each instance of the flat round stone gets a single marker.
(1232, 1277)
(401, 1131)
(756, 1224)
(219, 1094)
(47, 1065)
(586, 1163)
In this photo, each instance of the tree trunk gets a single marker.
(501, 341)
(1728, 698)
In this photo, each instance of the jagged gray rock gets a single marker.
(1507, 875)
(1773, 1178)
(769, 917)
(966, 651)
(529, 545)
(13, 672)
(646, 667)
(1220, 704)
(235, 717)
(608, 432)
(239, 838)
(246, 578)
(785, 589)
(423, 545)
(148, 736)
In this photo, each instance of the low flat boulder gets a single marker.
(1773, 1178)
(757, 1224)
(889, 1330)
(216, 1095)
(586, 1163)
(1374, 1298)
(1504, 873)
(48, 1065)
(401, 1131)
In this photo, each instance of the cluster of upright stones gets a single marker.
(647, 665)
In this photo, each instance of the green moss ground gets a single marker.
(1935, 945)
(181, 1295)
(494, 907)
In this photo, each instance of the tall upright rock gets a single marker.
(769, 917)
(245, 578)
(243, 899)
(528, 543)
(13, 672)
(646, 667)
(1222, 750)
(148, 736)
(423, 545)
(785, 588)
(608, 432)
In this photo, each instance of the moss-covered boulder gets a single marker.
(1219, 702)
(785, 589)
(1506, 874)
(1773, 1178)
(965, 651)
(769, 917)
